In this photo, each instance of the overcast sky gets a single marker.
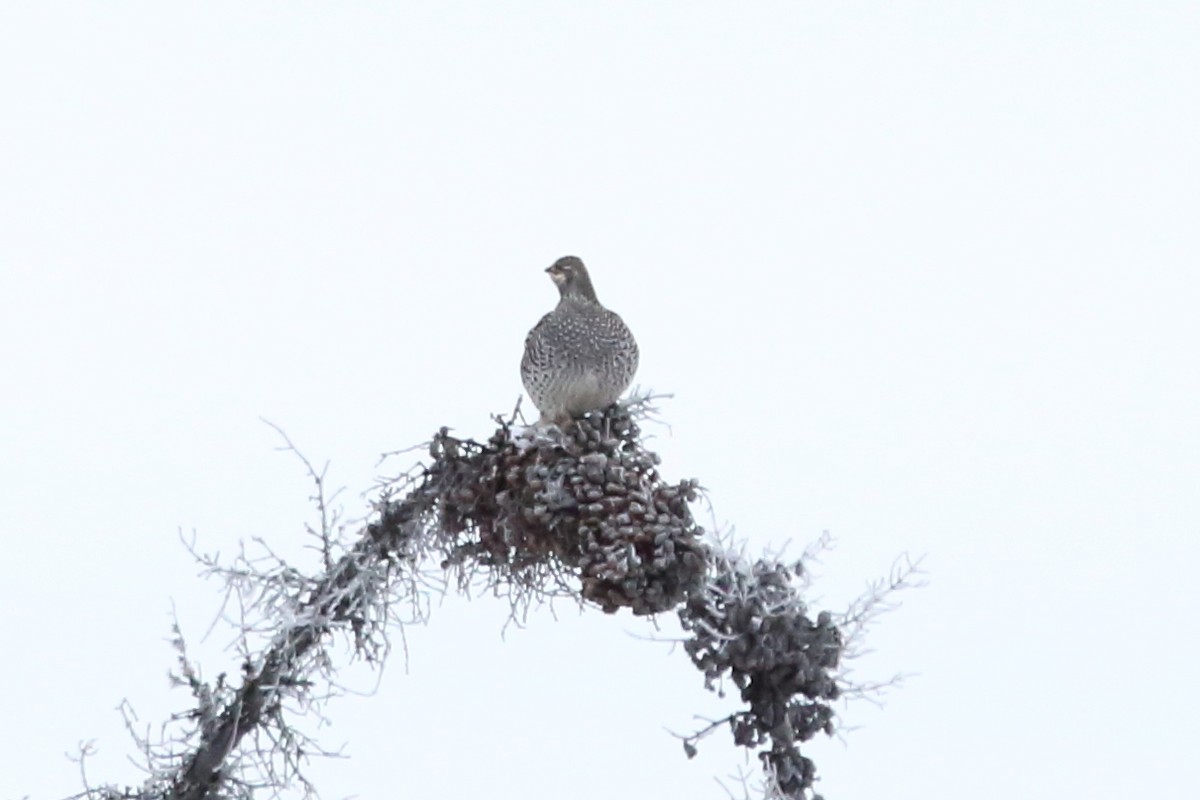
(924, 275)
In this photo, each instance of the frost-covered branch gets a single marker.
(527, 516)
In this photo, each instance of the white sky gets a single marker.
(921, 274)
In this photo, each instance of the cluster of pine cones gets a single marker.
(584, 504)
(750, 625)
(590, 498)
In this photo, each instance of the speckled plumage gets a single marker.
(580, 357)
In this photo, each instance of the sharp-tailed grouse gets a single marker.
(580, 357)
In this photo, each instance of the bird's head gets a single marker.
(571, 277)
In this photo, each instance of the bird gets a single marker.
(581, 356)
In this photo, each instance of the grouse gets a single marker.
(580, 357)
